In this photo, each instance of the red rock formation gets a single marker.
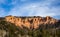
(29, 22)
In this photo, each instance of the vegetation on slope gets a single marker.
(8, 29)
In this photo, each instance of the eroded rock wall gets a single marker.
(30, 22)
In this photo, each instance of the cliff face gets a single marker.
(30, 22)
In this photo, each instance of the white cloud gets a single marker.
(36, 9)
(2, 12)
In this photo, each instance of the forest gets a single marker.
(8, 29)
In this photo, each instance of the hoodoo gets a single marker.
(28, 22)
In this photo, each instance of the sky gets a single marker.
(30, 8)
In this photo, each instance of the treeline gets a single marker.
(8, 29)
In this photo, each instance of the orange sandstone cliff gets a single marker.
(29, 22)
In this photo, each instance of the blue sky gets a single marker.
(30, 8)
